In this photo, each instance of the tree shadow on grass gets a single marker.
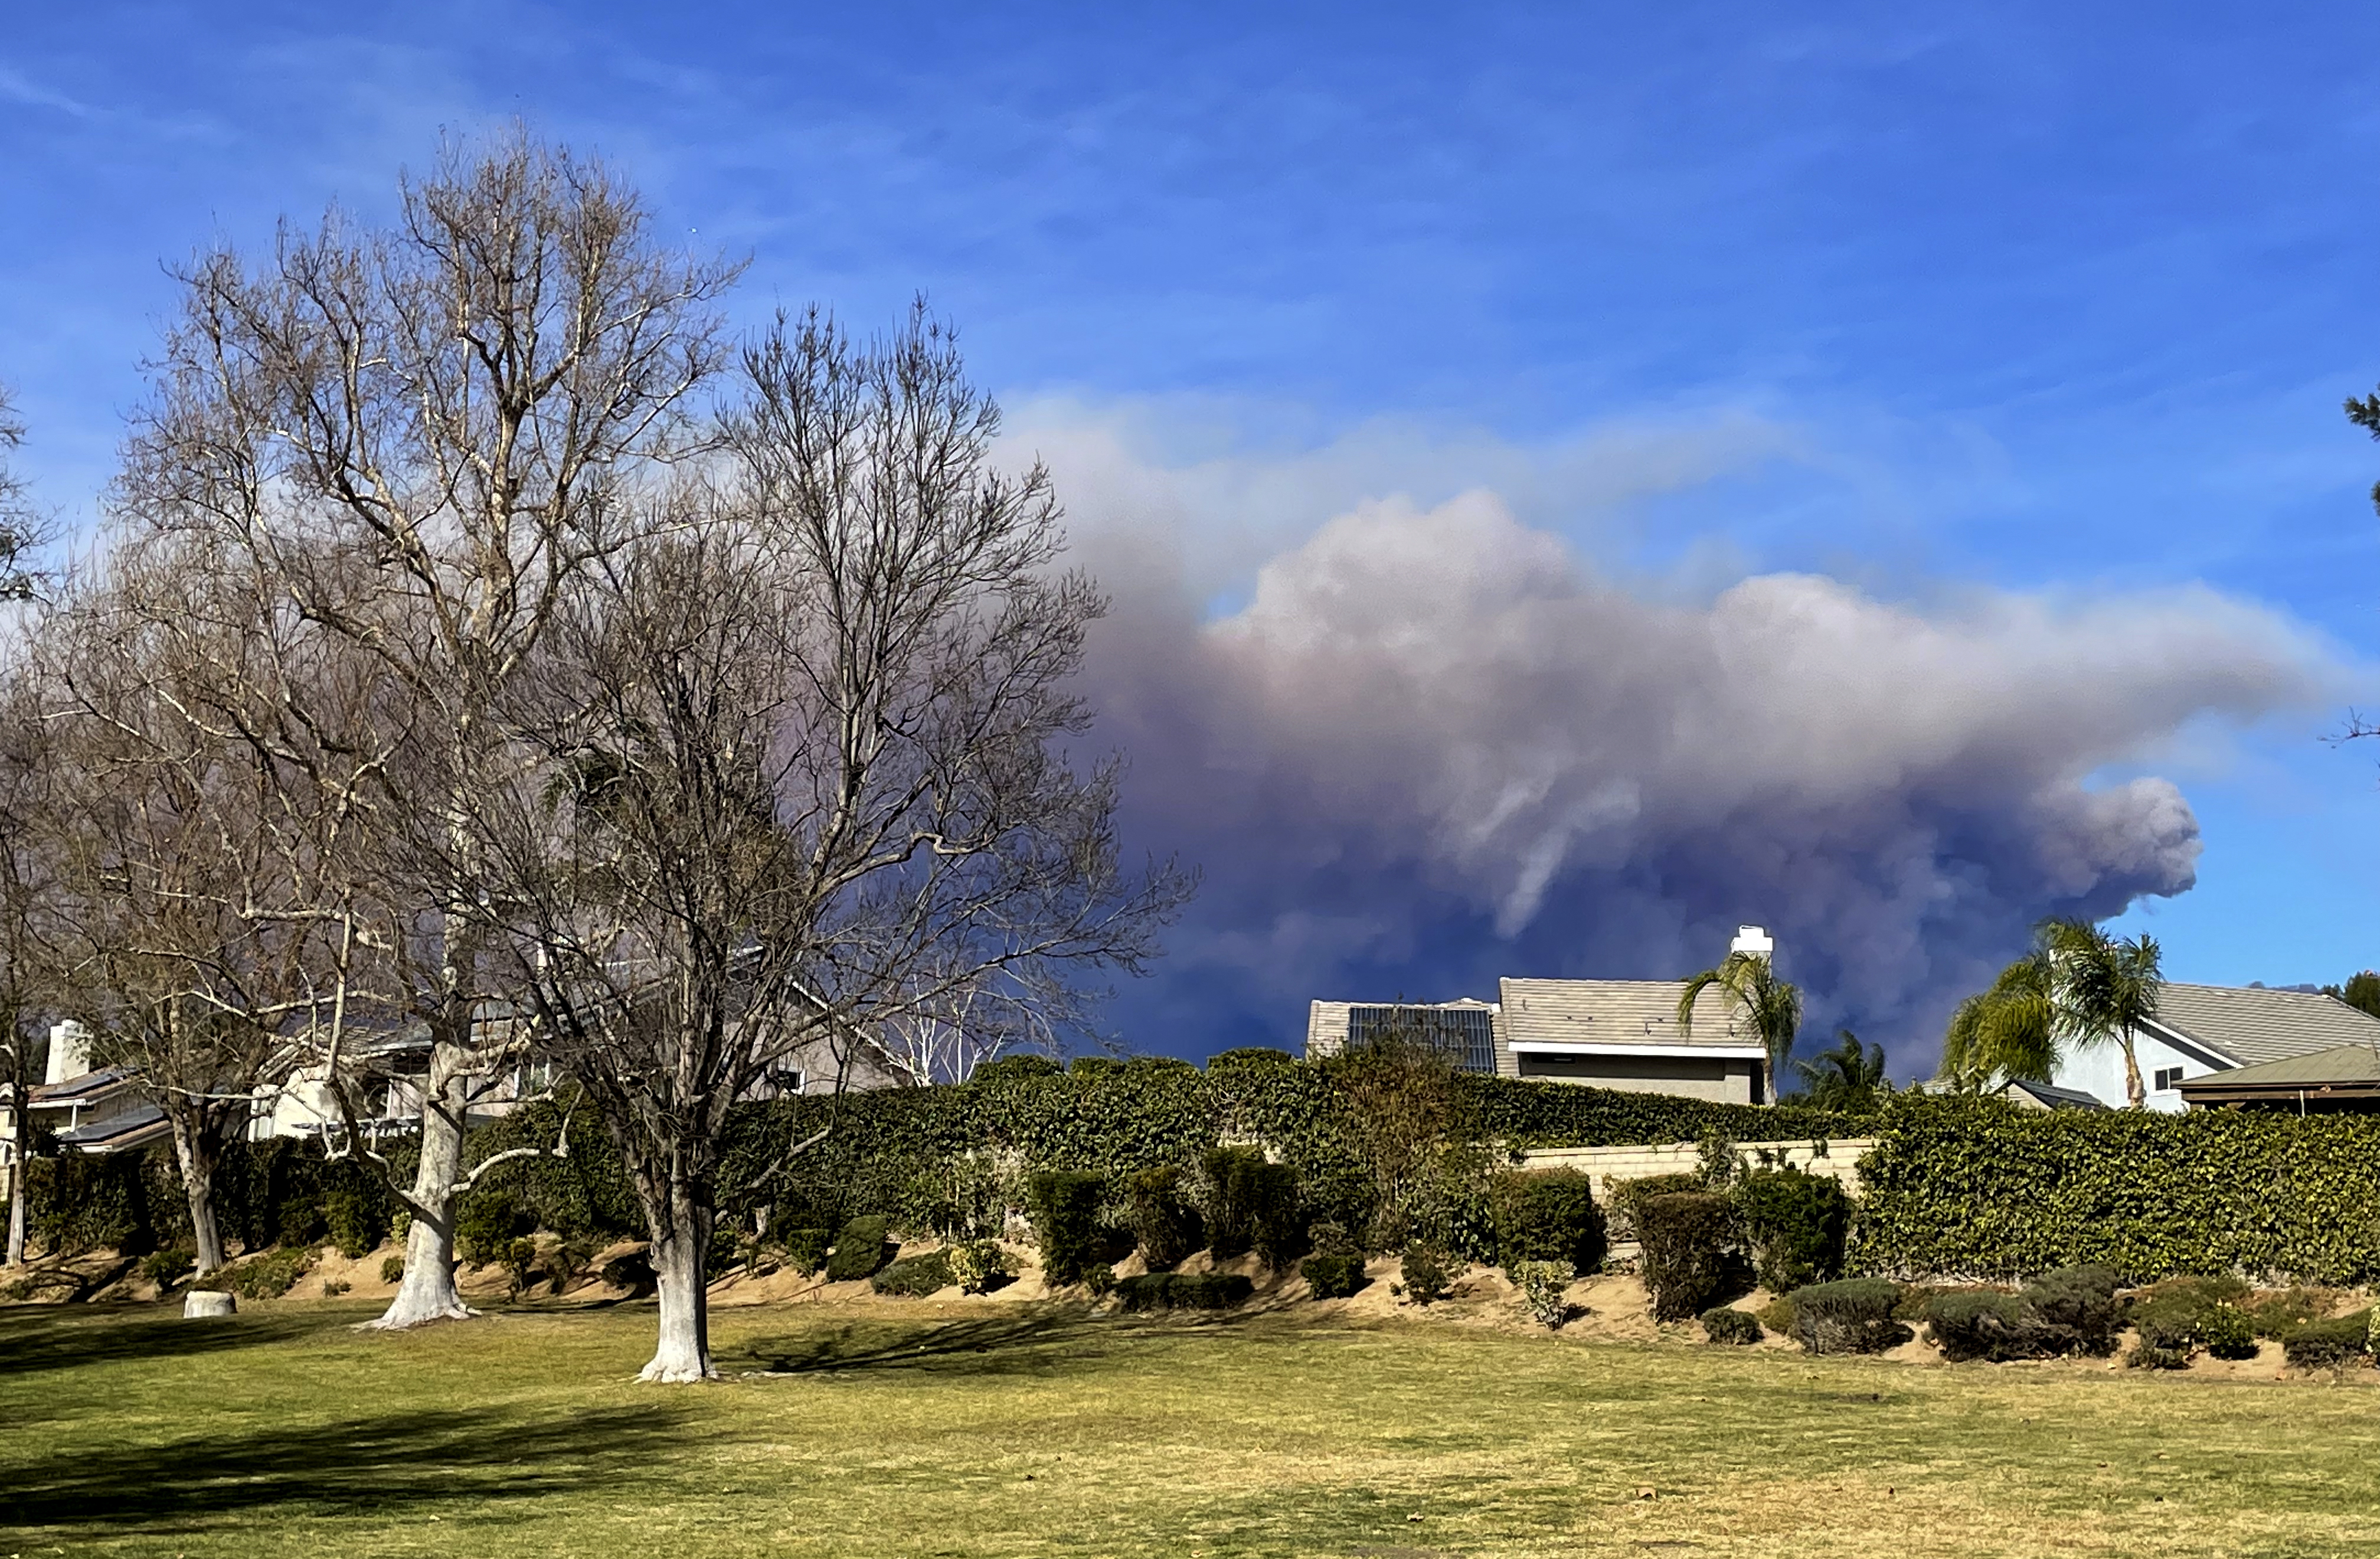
(52, 1337)
(1040, 1342)
(359, 1467)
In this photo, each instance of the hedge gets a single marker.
(1977, 1187)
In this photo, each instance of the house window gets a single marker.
(2168, 1078)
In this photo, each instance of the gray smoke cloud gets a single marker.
(1435, 744)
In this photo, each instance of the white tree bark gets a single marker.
(681, 1244)
(427, 1292)
(195, 1157)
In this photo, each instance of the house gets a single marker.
(1606, 1033)
(2342, 1080)
(2202, 1030)
(98, 1112)
(2026, 1094)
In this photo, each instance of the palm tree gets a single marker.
(1771, 1005)
(2078, 988)
(2106, 988)
(2006, 1033)
(1847, 1077)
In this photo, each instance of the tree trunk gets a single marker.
(194, 1149)
(681, 1227)
(2135, 1095)
(18, 1168)
(427, 1292)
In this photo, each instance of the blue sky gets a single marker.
(2029, 297)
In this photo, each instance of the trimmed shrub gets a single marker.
(1546, 1215)
(265, 1276)
(2146, 1355)
(1064, 1207)
(978, 1266)
(1333, 1277)
(1541, 1285)
(1971, 1324)
(632, 1271)
(392, 1268)
(1426, 1274)
(1230, 1219)
(2276, 1315)
(168, 1267)
(2080, 1305)
(913, 1277)
(1796, 1225)
(1853, 1316)
(1183, 1291)
(1162, 1218)
(1278, 1228)
(805, 1250)
(2173, 1317)
(861, 1250)
(357, 1219)
(1735, 1328)
(1776, 1315)
(2330, 1345)
(1685, 1237)
(2228, 1333)
(1332, 1238)
(1624, 1197)
(1100, 1279)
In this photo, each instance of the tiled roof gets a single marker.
(2340, 1064)
(1616, 1012)
(81, 1089)
(2054, 1098)
(2249, 1026)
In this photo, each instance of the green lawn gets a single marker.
(923, 1431)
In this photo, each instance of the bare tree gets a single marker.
(806, 771)
(418, 439)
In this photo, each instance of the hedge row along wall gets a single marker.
(1979, 1188)
(920, 1155)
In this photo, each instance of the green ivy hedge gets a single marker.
(1977, 1187)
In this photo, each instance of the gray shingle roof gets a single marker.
(1616, 1012)
(2340, 1064)
(2251, 1026)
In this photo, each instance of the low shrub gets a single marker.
(1334, 1239)
(1229, 1174)
(1162, 1218)
(1277, 1226)
(1333, 1277)
(2277, 1314)
(168, 1267)
(2173, 1316)
(1542, 1284)
(1064, 1207)
(1978, 1323)
(1183, 1291)
(632, 1271)
(519, 1258)
(265, 1276)
(1685, 1237)
(568, 1261)
(1100, 1279)
(1735, 1328)
(913, 1277)
(356, 1219)
(334, 1286)
(2330, 1345)
(1776, 1315)
(978, 1266)
(1546, 1215)
(1426, 1272)
(1854, 1315)
(861, 1250)
(2079, 1304)
(805, 1250)
(2228, 1333)
(392, 1268)
(2146, 1355)
(1623, 1197)
(1795, 1225)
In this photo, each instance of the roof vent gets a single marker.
(1754, 939)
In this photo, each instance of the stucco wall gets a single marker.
(2100, 1072)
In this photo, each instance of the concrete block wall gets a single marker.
(1841, 1160)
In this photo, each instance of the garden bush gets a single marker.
(1251, 1204)
(1623, 1197)
(1776, 1315)
(1099, 1279)
(1180, 1291)
(1333, 1277)
(1542, 1284)
(358, 1220)
(1427, 1274)
(1736, 1328)
(2330, 1345)
(1854, 1315)
(2228, 1333)
(1064, 1207)
(805, 1250)
(2079, 1304)
(1796, 1225)
(168, 1267)
(1546, 1215)
(861, 1250)
(392, 1268)
(978, 1266)
(2276, 1315)
(2174, 1316)
(1685, 1237)
(1162, 1218)
(267, 1275)
(632, 1271)
(913, 1277)
(1979, 1324)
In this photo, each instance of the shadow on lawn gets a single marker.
(357, 1468)
(65, 1337)
(1036, 1343)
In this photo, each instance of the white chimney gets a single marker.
(69, 1052)
(1754, 939)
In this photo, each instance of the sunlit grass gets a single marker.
(1041, 1429)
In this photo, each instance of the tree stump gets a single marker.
(205, 1302)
